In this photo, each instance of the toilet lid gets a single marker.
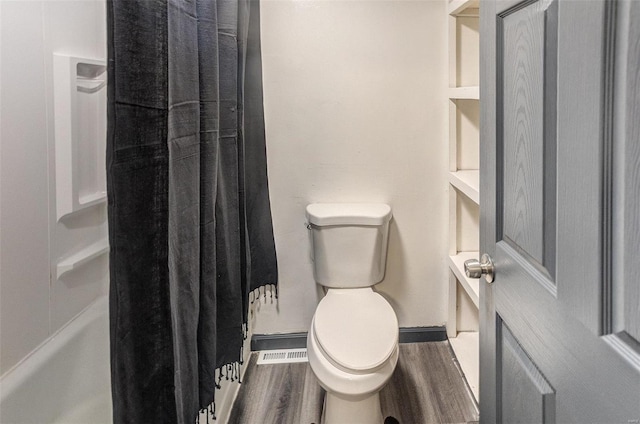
(356, 328)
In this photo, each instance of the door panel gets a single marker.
(559, 322)
(525, 395)
(522, 99)
(593, 383)
(526, 96)
(583, 86)
(627, 185)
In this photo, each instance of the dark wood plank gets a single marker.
(280, 393)
(427, 387)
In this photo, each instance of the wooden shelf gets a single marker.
(470, 285)
(464, 189)
(463, 7)
(464, 93)
(467, 182)
(466, 345)
(87, 254)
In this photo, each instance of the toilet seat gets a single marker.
(357, 329)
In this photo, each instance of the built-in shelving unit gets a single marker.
(464, 183)
(463, 7)
(470, 285)
(464, 93)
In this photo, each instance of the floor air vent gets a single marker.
(282, 356)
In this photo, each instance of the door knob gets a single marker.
(475, 269)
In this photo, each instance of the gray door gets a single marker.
(560, 211)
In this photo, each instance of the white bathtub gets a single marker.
(67, 379)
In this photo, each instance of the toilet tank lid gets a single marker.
(324, 214)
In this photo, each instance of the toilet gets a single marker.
(352, 344)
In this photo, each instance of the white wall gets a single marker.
(33, 305)
(356, 112)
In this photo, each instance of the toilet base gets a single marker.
(347, 409)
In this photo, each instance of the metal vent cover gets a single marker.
(282, 356)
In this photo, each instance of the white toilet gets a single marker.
(353, 341)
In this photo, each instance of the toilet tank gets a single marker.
(349, 243)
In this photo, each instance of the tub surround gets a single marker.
(66, 380)
(34, 302)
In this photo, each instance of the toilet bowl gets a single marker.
(353, 349)
(352, 344)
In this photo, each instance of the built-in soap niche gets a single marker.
(80, 106)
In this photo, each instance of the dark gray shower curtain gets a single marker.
(189, 215)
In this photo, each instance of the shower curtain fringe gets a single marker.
(261, 292)
(210, 412)
(218, 379)
(233, 371)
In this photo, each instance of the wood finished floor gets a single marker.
(426, 387)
